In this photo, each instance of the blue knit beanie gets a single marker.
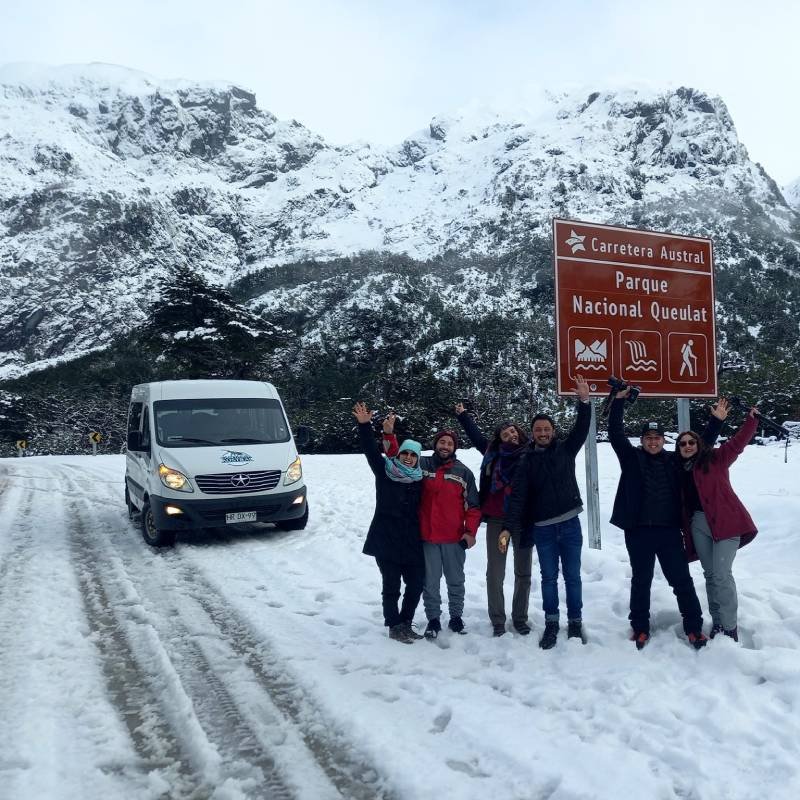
(411, 446)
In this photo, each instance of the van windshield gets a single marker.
(219, 421)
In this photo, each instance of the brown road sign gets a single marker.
(635, 304)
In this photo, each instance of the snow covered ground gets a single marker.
(246, 665)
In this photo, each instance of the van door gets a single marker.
(137, 463)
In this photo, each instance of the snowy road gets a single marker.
(98, 628)
(254, 665)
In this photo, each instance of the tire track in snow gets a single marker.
(15, 512)
(351, 774)
(208, 641)
(221, 743)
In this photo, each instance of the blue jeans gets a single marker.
(564, 540)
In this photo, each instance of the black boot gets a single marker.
(549, 636)
(575, 629)
(433, 629)
(456, 625)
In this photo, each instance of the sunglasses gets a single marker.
(686, 442)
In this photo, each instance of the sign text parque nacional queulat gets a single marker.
(635, 304)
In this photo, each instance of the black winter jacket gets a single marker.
(545, 485)
(628, 512)
(394, 531)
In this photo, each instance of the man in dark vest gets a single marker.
(648, 508)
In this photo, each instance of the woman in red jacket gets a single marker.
(716, 524)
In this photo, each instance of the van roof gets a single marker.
(202, 389)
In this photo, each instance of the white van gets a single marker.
(209, 453)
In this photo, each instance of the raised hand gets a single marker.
(581, 388)
(460, 408)
(721, 409)
(753, 412)
(361, 412)
(388, 422)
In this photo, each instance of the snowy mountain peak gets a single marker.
(110, 179)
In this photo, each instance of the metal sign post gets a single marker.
(592, 486)
(684, 419)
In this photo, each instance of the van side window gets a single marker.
(135, 417)
(145, 428)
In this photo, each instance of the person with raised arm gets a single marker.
(647, 507)
(393, 538)
(449, 516)
(501, 456)
(543, 509)
(715, 522)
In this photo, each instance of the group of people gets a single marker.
(672, 506)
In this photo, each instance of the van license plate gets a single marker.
(240, 516)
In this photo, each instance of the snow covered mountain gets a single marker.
(792, 194)
(110, 179)
(113, 183)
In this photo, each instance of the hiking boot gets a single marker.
(641, 638)
(522, 628)
(575, 629)
(456, 625)
(433, 629)
(715, 629)
(399, 634)
(697, 639)
(498, 630)
(549, 636)
(412, 634)
(733, 633)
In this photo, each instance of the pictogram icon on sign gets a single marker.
(590, 352)
(640, 352)
(688, 357)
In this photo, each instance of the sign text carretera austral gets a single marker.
(635, 304)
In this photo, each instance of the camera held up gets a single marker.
(618, 385)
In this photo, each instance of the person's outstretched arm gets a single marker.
(580, 430)
(471, 429)
(368, 445)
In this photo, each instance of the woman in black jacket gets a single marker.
(393, 537)
(501, 456)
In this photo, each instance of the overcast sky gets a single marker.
(380, 69)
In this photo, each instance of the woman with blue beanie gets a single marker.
(393, 537)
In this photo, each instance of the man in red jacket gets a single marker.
(449, 516)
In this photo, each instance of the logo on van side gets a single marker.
(235, 457)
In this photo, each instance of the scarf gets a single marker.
(397, 471)
(501, 464)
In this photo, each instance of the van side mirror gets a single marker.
(135, 442)
(302, 435)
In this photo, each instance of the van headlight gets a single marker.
(173, 479)
(293, 472)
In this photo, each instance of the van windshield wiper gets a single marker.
(189, 439)
(245, 440)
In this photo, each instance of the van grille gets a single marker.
(239, 482)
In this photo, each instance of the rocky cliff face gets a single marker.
(110, 180)
(417, 271)
(792, 194)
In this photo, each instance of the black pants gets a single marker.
(644, 545)
(414, 577)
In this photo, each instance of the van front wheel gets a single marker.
(154, 536)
